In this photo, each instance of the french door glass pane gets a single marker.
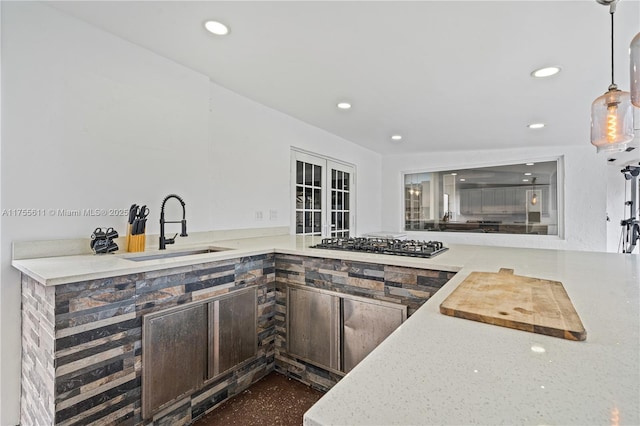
(317, 222)
(317, 175)
(340, 213)
(299, 222)
(317, 201)
(300, 173)
(324, 203)
(307, 222)
(308, 198)
(308, 174)
(299, 197)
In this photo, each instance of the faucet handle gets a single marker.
(170, 240)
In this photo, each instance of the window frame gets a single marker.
(560, 188)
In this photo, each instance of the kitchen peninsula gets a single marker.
(436, 369)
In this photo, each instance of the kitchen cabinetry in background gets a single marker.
(493, 200)
(519, 200)
(502, 200)
(337, 331)
(470, 201)
(546, 201)
(183, 347)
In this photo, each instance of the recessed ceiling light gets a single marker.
(525, 180)
(527, 174)
(396, 137)
(454, 174)
(536, 126)
(463, 180)
(529, 164)
(344, 105)
(216, 28)
(545, 72)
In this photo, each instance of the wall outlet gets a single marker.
(273, 214)
(258, 214)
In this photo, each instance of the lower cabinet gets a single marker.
(185, 346)
(313, 321)
(337, 331)
(234, 335)
(174, 355)
(365, 324)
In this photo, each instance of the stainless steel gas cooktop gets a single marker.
(411, 248)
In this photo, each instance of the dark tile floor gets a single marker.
(274, 400)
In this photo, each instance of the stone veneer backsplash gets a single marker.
(82, 341)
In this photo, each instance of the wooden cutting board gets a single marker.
(524, 303)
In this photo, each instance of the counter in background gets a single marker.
(485, 226)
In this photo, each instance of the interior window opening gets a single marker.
(508, 199)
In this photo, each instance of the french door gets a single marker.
(324, 192)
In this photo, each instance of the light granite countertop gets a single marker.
(67, 269)
(441, 370)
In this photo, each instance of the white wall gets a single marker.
(92, 121)
(243, 184)
(2, 360)
(584, 199)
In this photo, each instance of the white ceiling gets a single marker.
(447, 75)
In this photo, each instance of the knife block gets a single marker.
(135, 243)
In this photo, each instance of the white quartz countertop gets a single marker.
(68, 269)
(441, 370)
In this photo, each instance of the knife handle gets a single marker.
(128, 243)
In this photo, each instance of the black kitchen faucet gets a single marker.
(164, 241)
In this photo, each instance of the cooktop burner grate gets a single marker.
(411, 248)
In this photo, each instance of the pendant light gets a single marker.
(612, 113)
(635, 70)
(534, 199)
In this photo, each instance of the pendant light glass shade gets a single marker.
(612, 121)
(612, 113)
(635, 70)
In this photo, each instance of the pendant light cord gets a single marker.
(612, 11)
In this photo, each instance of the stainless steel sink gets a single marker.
(176, 253)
